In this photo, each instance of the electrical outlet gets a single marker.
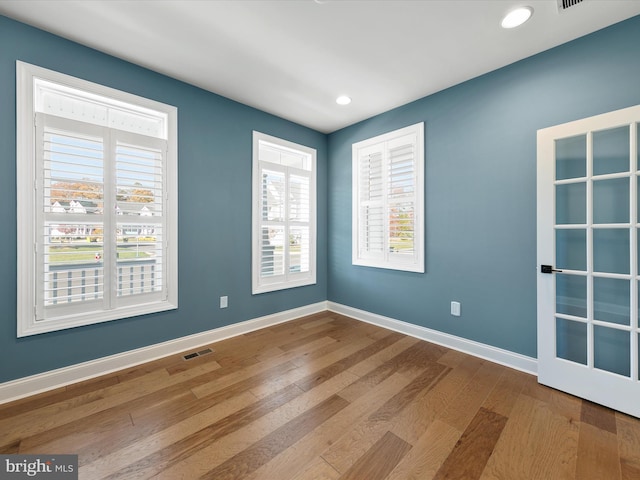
(455, 309)
(224, 301)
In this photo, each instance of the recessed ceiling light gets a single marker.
(343, 100)
(517, 17)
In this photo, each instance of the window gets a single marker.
(284, 214)
(97, 203)
(388, 200)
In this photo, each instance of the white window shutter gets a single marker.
(388, 198)
(97, 203)
(284, 214)
(372, 217)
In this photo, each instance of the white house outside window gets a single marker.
(284, 214)
(97, 203)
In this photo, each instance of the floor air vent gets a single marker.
(565, 4)
(191, 355)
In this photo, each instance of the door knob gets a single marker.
(548, 269)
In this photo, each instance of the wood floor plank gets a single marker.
(598, 416)
(345, 363)
(558, 402)
(318, 332)
(537, 443)
(32, 422)
(402, 361)
(469, 457)
(452, 358)
(345, 452)
(597, 454)
(383, 356)
(245, 346)
(265, 449)
(379, 460)
(64, 415)
(504, 395)
(107, 404)
(316, 470)
(303, 452)
(436, 401)
(33, 402)
(268, 380)
(428, 453)
(203, 460)
(417, 416)
(463, 407)
(127, 460)
(71, 438)
(265, 372)
(628, 429)
(10, 448)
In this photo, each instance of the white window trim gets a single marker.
(415, 262)
(288, 280)
(27, 279)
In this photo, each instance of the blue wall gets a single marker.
(481, 188)
(214, 155)
(480, 197)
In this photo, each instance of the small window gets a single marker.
(388, 200)
(284, 214)
(97, 203)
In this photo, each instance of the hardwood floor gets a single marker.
(324, 397)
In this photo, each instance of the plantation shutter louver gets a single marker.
(139, 214)
(372, 202)
(86, 167)
(388, 197)
(71, 204)
(401, 198)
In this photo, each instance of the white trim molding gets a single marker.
(42, 382)
(507, 358)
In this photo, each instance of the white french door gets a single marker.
(588, 272)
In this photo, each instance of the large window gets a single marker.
(97, 203)
(284, 214)
(388, 200)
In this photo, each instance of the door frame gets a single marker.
(582, 380)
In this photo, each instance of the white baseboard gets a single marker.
(42, 382)
(23, 387)
(497, 355)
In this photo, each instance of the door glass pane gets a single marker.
(571, 249)
(611, 201)
(638, 196)
(571, 204)
(571, 157)
(571, 295)
(571, 340)
(638, 143)
(611, 151)
(612, 350)
(638, 325)
(611, 250)
(611, 298)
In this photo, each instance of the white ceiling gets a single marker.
(292, 58)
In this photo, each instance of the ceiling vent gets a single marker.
(566, 4)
